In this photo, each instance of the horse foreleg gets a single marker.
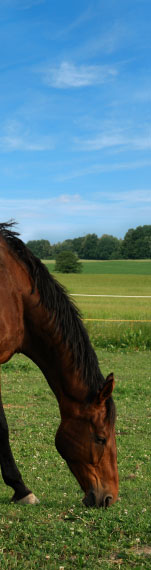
(10, 472)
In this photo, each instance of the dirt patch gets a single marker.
(118, 561)
(139, 550)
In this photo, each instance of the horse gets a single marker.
(39, 320)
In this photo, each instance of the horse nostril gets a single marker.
(107, 501)
(89, 500)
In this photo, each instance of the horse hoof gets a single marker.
(30, 499)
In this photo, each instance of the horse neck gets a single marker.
(39, 337)
(44, 345)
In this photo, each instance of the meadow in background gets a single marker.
(113, 322)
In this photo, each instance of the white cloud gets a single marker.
(141, 143)
(67, 75)
(75, 202)
(100, 141)
(69, 215)
(115, 139)
(66, 198)
(15, 137)
(131, 197)
(100, 168)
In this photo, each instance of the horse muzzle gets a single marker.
(92, 500)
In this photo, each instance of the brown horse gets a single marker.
(38, 319)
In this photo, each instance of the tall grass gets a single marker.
(134, 336)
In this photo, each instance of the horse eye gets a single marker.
(99, 439)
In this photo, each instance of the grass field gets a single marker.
(119, 267)
(111, 334)
(115, 267)
(61, 533)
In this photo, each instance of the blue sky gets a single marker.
(75, 116)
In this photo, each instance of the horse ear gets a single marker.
(106, 391)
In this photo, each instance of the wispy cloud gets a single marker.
(115, 139)
(67, 75)
(72, 215)
(106, 42)
(99, 168)
(100, 141)
(75, 202)
(132, 197)
(76, 23)
(15, 138)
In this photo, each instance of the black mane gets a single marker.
(67, 317)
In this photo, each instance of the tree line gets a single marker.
(135, 245)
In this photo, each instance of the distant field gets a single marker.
(113, 334)
(120, 267)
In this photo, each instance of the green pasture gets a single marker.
(112, 267)
(117, 267)
(113, 321)
(61, 533)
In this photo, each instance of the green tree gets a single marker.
(128, 246)
(137, 243)
(56, 248)
(109, 247)
(90, 244)
(67, 245)
(41, 248)
(67, 262)
(78, 246)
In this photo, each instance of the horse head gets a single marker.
(86, 440)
